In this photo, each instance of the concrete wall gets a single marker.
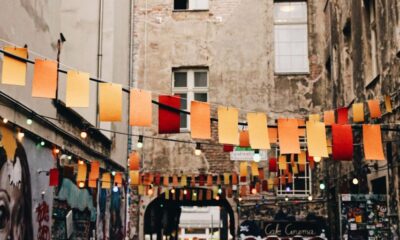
(38, 24)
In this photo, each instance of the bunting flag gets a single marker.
(118, 179)
(226, 178)
(53, 177)
(273, 135)
(81, 174)
(243, 191)
(342, 114)
(168, 119)
(244, 139)
(106, 181)
(329, 117)
(314, 117)
(254, 169)
(272, 166)
(209, 180)
(302, 158)
(175, 181)
(261, 175)
(228, 148)
(234, 178)
(388, 104)
(201, 180)
(288, 137)
(14, 70)
(258, 131)
(157, 179)
(166, 194)
(140, 108)
(77, 93)
(358, 112)
(166, 180)
(183, 181)
(295, 169)
(342, 142)
(243, 169)
(228, 125)
(110, 102)
(374, 108)
(94, 174)
(372, 140)
(134, 161)
(316, 139)
(200, 124)
(44, 83)
(282, 162)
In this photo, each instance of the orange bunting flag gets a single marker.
(175, 181)
(134, 161)
(244, 139)
(316, 139)
(77, 93)
(372, 140)
(95, 169)
(110, 102)
(106, 181)
(134, 176)
(44, 83)
(14, 70)
(234, 178)
(358, 112)
(254, 169)
(282, 164)
(388, 104)
(302, 158)
(200, 124)
(81, 174)
(329, 117)
(140, 108)
(166, 180)
(226, 178)
(273, 135)
(288, 137)
(258, 131)
(374, 108)
(243, 169)
(228, 125)
(118, 179)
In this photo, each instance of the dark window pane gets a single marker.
(180, 4)
(183, 123)
(183, 97)
(201, 97)
(200, 79)
(180, 79)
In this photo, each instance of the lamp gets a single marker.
(140, 142)
(256, 156)
(197, 151)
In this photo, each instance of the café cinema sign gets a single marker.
(292, 228)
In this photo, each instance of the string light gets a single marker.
(217, 198)
(81, 184)
(254, 191)
(256, 156)
(355, 181)
(240, 199)
(197, 151)
(219, 190)
(69, 157)
(42, 143)
(113, 173)
(84, 134)
(286, 199)
(20, 136)
(310, 198)
(140, 142)
(56, 150)
(194, 194)
(29, 121)
(150, 191)
(288, 189)
(322, 186)
(185, 191)
(5, 120)
(317, 159)
(80, 162)
(173, 190)
(115, 188)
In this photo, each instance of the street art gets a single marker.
(42, 217)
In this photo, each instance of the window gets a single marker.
(370, 7)
(190, 85)
(190, 4)
(291, 44)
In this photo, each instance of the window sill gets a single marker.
(291, 73)
(189, 10)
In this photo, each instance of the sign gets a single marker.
(291, 229)
(247, 154)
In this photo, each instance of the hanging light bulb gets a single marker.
(322, 186)
(113, 173)
(29, 121)
(185, 191)
(240, 199)
(197, 151)
(42, 143)
(56, 150)
(80, 162)
(81, 184)
(150, 191)
(219, 190)
(115, 188)
(194, 194)
(310, 198)
(355, 181)
(256, 155)
(69, 157)
(173, 190)
(286, 199)
(5, 120)
(217, 198)
(254, 191)
(84, 134)
(317, 159)
(288, 189)
(20, 136)
(140, 142)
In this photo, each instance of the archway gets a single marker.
(162, 215)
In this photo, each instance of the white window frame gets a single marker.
(190, 90)
(293, 193)
(372, 25)
(194, 5)
(291, 23)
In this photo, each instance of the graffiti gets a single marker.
(15, 189)
(43, 217)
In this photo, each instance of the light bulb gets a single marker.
(254, 191)
(322, 186)
(140, 142)
(42, 143)
(217, 198)
(194, 194)
(220, 190)
(239, 199)
(286, 199)
(256, 155)
(150, 191)
(115, 189)
(317, 159)
(288, 189)
(173, 191)
(81, 184)
(80, 162)
(185, 191)
(197, 151)
(20, 135)
(355, 181)
(69, 157)
(29, 121)
(113, 173)
(310, 198)
(83, 134)
(5, 120)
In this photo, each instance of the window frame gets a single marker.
(291, 23)
(190, 90)
(189, 7)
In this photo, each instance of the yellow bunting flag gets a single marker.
(140, 108)
(44, 83)
(316, 139)
(254, 169)
(183, 180)
(243, 169)
(372, 140)
(226, 178)
(271, 183)
(258, 131)
(14, 70)
(118, 179)
(77, 93)
(374, 108)
(295, 169)
(106, 181)
(228, 125)
(110, 102)
(302, 158)
(388, 104)
(282, 162)
(314, 117)
(329, 117)
(166, 194)
(358, 112)
(200, 124)
(134, 176)
(140, 190)
(288, 136)
(81, 174)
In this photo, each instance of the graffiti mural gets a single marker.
(42, 217)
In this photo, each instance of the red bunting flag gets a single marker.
(342, 142)
(272, 165)
(169, 119)
(228, 148)
(342, 115)
(53, 177)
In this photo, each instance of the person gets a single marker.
(15, 195)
